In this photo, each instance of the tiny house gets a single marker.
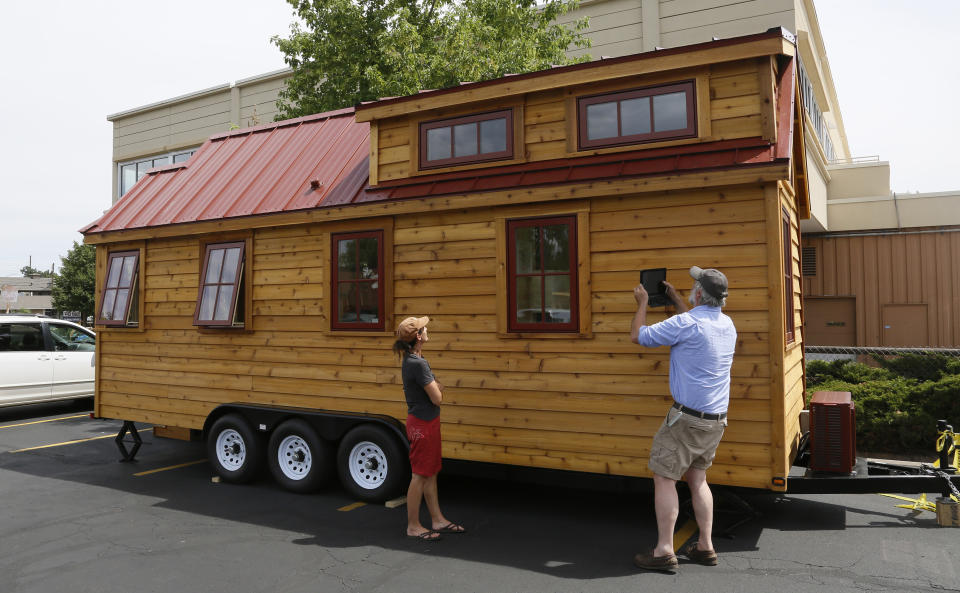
(250, 293)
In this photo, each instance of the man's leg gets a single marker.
(667, 506)
(702, 506)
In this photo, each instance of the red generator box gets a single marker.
(833, 438)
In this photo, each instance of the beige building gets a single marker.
(848, 193)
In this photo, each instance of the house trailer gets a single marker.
(249, 294)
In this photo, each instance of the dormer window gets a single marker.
(641, 115)
(465, 140)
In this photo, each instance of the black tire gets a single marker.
(298, 458)
(235, 451)
(381, 467)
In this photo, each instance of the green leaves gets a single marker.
(348, 51)
(74, 287)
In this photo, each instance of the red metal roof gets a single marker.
(260, 170)
(269, 168)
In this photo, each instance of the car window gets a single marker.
(21, 337)
(69, 338)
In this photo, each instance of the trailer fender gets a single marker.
(330, 425)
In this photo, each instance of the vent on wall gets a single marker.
(808, 261)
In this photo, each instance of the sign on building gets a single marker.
(73, 316)
(8, 296)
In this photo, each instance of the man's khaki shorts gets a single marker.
(688, 442)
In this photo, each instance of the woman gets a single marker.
(424, 395)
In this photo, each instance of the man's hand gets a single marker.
(675, 297)
(641, 296)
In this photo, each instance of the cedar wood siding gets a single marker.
(588, 404)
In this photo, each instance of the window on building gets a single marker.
(542, 274)
(469, 139)
(119, 299)
(132, 171)
(788, 311)
(357, 270)
(221, 298)
(640, 115)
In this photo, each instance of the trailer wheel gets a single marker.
(299, 460)
(234, 449)
(372, 464)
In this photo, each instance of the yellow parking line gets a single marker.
(163, 469)
(42, 421)
(684, 534)
(107, 436)
(350, 507)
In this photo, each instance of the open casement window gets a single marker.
(642, 115)
(220, 301)
(119, 299)
(469, 139)
(788, 312)
(358, 291)
(542, 274)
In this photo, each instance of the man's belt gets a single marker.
(698, 413)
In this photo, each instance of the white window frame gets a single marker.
(171, 155)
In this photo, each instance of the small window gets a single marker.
(357, 269)
(788, 312)
(641, 115)
(542, 274)
(21, 337)
(132, 172)
(120, 298)
(220, 301)
(470, 139)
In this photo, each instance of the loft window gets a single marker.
(220, 301)
(469, 139)
(358, 296)
(542, 274)
(119, 300)
(640, 115)
(788, 312)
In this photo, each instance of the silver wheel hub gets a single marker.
(294, 457)
(368, 465)
(231, 450)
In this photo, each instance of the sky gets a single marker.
(69, 64)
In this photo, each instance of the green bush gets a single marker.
(898, 403)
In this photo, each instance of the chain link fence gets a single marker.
(900, 393)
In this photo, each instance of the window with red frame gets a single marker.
(469, 139)
(357, 288)
(788, 311)
(542, 274)
(220, 301)
(119, 299)
(640, 115)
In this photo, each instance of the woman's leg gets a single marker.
(414, 496)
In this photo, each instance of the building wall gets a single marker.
(587, 403)
(885, 270)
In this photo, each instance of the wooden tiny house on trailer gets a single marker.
(261, 280)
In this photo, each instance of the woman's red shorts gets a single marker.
(424, 437)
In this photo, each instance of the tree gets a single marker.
(30, 271)
(348, 51)
(74, 287)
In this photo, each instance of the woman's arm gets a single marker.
(433, 392)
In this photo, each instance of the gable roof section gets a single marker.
(260, 170)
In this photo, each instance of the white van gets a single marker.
(44, 359)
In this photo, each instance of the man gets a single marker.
(702, 342)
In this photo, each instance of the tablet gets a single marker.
(652, 281)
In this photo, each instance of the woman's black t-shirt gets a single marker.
(416, 375)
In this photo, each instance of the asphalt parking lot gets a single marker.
(76, 520)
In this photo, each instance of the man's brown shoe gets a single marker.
(704, 557)
(650, 562)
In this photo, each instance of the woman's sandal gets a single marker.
(451, 528)
(427, 536)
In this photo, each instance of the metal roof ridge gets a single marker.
(283, 123)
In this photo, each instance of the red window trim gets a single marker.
(688, 87)
(473, 158)
(132, 287)
(238, 278)
(335, 282)
(512, 324)
(788, 310)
